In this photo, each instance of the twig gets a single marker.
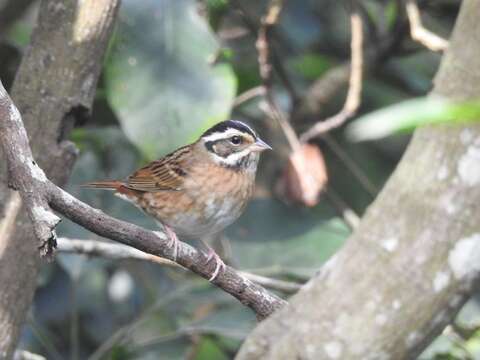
(123, 252)
(355, 83)
(323, 90)
(109, 250)
(288, 287)
(247, 18)
(353, 97)
(349, 216)
(280, 271)
(351, 165)
(189, 331)
(26, 355)
(248, 95)
(39, 194)
(420, 33)
(270, 108)
(263, 49)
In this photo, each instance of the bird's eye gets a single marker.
(236, 140)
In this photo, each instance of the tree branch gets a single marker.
(15, 144)
(248, 95)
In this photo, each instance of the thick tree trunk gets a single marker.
(414, 260)
(54, 87)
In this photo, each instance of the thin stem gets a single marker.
(352, 101)
(419, 33)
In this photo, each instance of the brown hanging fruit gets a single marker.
(304, 177)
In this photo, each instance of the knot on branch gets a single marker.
(44, 224)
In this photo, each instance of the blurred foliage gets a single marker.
(407, 115)
(174, 68)
(311, 66)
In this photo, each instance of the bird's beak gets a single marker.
(260, 146)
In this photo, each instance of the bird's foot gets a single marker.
(172, 241)
(219, 264)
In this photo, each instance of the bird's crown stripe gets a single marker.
(223, 135)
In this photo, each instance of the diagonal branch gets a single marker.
(40, 193)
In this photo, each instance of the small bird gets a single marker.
(198, 190)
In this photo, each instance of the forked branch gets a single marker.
(25, 175)
(352, 101)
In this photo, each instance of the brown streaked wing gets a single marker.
(162, 174)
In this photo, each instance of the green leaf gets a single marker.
(407, 115)
(303, 242)
(159, 80)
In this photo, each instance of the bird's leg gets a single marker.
(219, 264)
(172, 240)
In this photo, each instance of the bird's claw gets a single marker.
(172, 241)
(219, 264)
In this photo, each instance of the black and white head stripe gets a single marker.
(227, 128)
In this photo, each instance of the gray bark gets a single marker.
(54, 87)
(414, 260)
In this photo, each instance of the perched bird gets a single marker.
(199, 189)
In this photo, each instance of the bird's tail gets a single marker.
(104, 185)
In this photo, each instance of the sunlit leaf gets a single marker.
(407, 115)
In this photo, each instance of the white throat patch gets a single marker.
(233, 160)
